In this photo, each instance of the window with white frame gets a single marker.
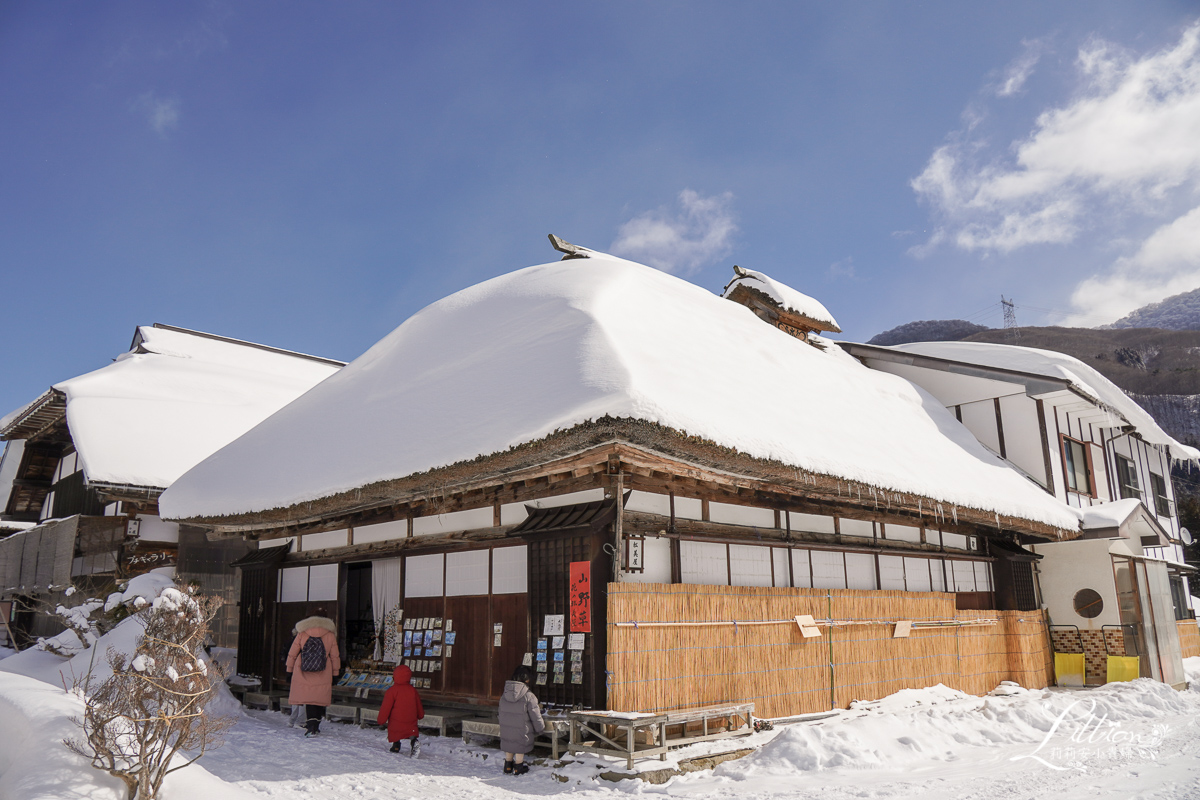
(1078, 463)
(1162, 503)
(308, 584)
(1127, 479)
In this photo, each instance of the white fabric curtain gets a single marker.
(385, 596)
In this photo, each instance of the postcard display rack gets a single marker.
(426, 642)
(364, 683)
(558, 657)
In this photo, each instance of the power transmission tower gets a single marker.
(1010, 319)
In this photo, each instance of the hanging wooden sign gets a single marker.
(581, 597)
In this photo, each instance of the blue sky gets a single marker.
(308, 175)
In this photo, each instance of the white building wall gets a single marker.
(980, 419)
(656, 562)
(1069, 567)
(155, 529)
(1022, 435)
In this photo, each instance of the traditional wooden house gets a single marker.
(86, 462)
(635, 485)
(1120, 589)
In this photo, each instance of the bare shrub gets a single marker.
(153, 706)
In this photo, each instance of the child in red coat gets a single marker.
(400, 711)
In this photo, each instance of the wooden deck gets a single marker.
(658, 732)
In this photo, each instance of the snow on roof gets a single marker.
(178, 396)
(1057, 365)
(1109, 515)
(515, 358)
(784, 296)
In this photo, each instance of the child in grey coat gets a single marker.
(520, 721)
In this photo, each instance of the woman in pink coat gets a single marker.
(313, 689)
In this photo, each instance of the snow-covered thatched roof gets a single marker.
(784, 298)
(1084, 379)
(173, 399)
(518, 357)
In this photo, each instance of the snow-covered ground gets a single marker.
(933, 743)
(1138, 739)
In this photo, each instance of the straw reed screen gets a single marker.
(732, 643)
(1189, 637)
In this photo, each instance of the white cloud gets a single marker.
(1020, 69)
(699, 231)
(843, 269)
(1125, 148)
(162, 113)
(1167, 263)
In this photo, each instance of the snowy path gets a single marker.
(267, 759)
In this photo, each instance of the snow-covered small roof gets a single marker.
(1110, 515)
(784, 296)
(1083, 378)
(1127, 518)
(516, 358)
(174, 399)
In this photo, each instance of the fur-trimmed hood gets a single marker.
(316, 622)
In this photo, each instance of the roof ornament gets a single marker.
(571, 250)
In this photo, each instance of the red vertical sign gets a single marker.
(581, 597)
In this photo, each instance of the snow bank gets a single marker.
(36, 765)
(152, 414)
(564, 343)
(922, 727)
(1057, 365)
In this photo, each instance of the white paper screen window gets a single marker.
(741, 515)
(983, 576)
(856, 527)
(510, 573)
(964, 575)
(937, 574)
(649, 503)
(916, 574)
(891, 572)
(814, 523)
(703, 563)
(860, 571)
(293, 584)
(801, 569)
(320, 541)
(656, 561)
(423, 576)
(902, 533)
(467, 573)
(322, 582)
(783, 569)
(749, 565)
(829, 570)
(956, 540)
(381, 531)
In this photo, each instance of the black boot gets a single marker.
(395, 747)
(508, 768)
(312, 728)
(520, 769)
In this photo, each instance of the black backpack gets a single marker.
(312, 655)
